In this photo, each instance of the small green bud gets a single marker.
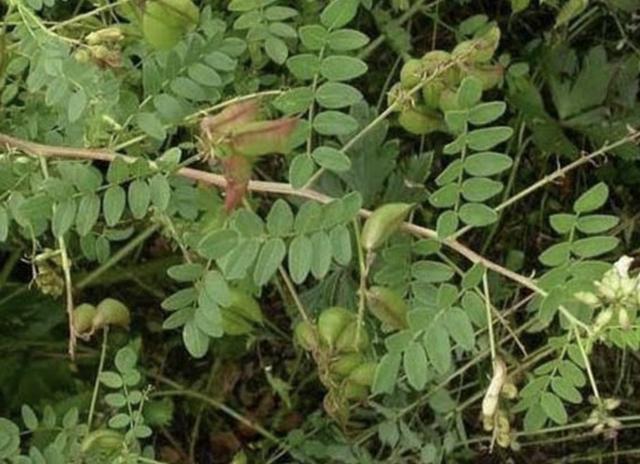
(382, 223)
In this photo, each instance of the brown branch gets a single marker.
(258, 186)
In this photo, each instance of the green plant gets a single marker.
(303, 275)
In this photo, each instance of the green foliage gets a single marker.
(342, 231)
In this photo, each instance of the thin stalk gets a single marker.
(96, 385)
(487, 305)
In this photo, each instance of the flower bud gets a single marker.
(623, 319)
(588, 298)
(382, 223)
(602, 319)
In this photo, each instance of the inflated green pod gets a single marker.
(332, 322)
(420, 120)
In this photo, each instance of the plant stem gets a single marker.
(487, 304)
(292, 290)
(66, 270)
(286, 189)
(632, 137)
(96, 385)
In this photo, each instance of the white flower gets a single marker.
(622, 266)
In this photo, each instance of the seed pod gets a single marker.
(229, 119)
(487, 44)
(346, 363)
(487, 423)
(388, 306)
(83, 317)
(332, 322)
(306, 335)
(396, 97)
(364, 374)
(435, 60)
(353, 391)
(431, 92)
(102, 440)
(503, 440)
(490, 401)
(509, 391)
(489, 75)
(382, 223)
(111, 312)
(346, 342)
(448, 100)
(263, 137)
(480, 49)
(234, 324)
(411, 73)
(106, 35)
(420, 120)
(245, 306)
(503, 424)
(165, 21)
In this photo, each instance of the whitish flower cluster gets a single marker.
(617, 294)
